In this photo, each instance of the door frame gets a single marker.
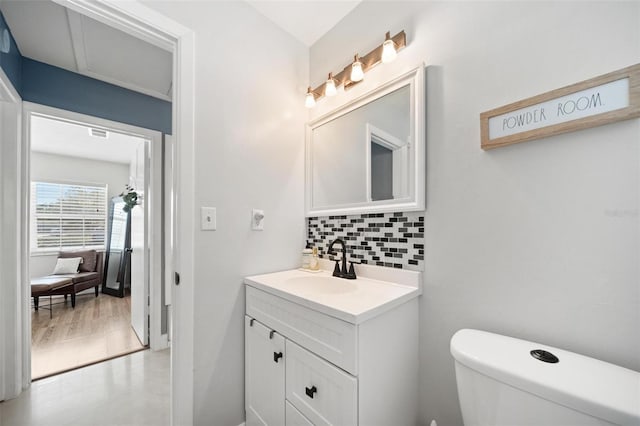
(147, 24)
(15, 312)
(153, 187)
(400, 158)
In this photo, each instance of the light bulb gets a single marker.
(330, 86)
(388, 49)
(356, 70)
(310, 99)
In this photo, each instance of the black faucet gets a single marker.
(349, 273)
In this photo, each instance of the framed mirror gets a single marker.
(118, 249)
(369, 155)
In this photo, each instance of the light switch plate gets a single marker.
(257, 220)
(208, 218)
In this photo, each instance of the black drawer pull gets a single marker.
(251, 322)
(310, 391)
(277, 356)
(271, 333)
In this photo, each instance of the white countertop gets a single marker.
(354, 301)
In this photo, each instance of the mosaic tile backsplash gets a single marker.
(394, 240)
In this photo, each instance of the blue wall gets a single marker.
(52, 86)
(11, 62)
(45, 84)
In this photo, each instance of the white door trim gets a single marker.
(15, 329)
(400, 159)
(154, 216)
(153, 243)
(169, 204)
(139, 20)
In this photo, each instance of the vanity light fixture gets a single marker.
(330, 86)
(388, 49)
(310, 99)
(357, 74)
(353, 73)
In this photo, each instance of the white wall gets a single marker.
(538, 240)
(249, 131)
(52, 167)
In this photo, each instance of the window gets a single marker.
(67, 216)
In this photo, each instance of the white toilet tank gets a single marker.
(500, 382)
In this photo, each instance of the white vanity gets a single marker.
(321, 350)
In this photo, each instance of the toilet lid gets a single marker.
(594, 387)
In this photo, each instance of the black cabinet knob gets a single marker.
(277, 356)
(310, 391)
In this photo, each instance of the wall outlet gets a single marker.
(208, 220)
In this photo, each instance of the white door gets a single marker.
(264, 375)
(140, 249)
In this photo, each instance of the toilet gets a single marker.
(506, 381)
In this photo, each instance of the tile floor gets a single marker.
(130, 390)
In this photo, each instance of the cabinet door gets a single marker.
(264, 375)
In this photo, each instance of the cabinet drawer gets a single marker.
(331, 338)
(323, 393)
(294, 417)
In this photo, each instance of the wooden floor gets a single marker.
(99, 328)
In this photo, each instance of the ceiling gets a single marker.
(74, 140)
(306, 20)
(50, 33)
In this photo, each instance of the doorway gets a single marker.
(79, 175)
(146, 24)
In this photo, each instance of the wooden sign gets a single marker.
(606, 99)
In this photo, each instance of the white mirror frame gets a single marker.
(416, 200)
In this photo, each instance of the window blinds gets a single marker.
(67, 216)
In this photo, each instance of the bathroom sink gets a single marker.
(322, 284)
(353, 301)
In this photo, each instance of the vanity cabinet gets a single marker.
(332, 372)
